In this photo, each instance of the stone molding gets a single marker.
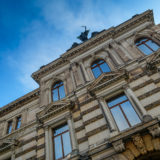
(103, 36)
(107, 79)
(55, 108)
(147, 94)
(118, 146)
(152, 105)
(20, 102)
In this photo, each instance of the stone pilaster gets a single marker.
(135, 101)
(84, 71)
(72, 134)
(48, 145)
(24, 117)
(72, 77)
(13, 153)
(109, 118)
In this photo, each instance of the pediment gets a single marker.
(55, 106)
(106, 77)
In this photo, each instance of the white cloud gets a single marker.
(46, 39)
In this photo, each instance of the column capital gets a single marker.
(126, 86)
(46, 128)
(68, 117)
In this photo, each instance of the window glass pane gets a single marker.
(105, 67)
(66, 143)
(130, 113)
(18, 122)
(117, 100)
(152, 44)
(145, 49)
(119, 118)
(55, 94)
(58, 147)
(9, 127)
(96, 71)
(61, 92)
(60, 130)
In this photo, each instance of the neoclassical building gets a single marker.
(100, 100)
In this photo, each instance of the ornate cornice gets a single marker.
(100, 38)
(19, 102)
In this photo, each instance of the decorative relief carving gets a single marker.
(154, 130)
(119, 146)
(128, 154)
(139, 143)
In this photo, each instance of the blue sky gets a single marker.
(35, 32)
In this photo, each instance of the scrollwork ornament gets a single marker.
(119, 146)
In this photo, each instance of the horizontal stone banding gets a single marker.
(156, 90)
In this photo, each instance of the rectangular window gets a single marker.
(61, 142)
(123, 112)
(18, 122)
(9, 129)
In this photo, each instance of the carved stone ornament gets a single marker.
(139, 143)
(147, 118)
(119, 146)
(154, 130)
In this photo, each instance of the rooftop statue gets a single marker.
(84, 35)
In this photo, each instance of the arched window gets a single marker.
(58, 91)
(147, 46)
(98, 67)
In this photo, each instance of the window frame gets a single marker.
(98, 66)
(58, 90)
(60, 134)
(18, 121)
(8, 125)
(145, 44)
(122, 111)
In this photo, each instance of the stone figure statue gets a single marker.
(84, 35)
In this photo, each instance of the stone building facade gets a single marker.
(100, 100)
